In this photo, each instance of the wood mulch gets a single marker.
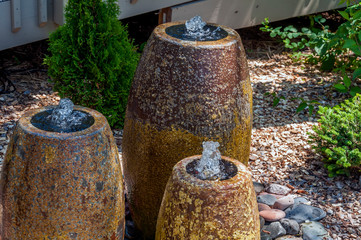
(280, 152)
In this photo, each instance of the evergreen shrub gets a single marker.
(338, 136)
(92, 60)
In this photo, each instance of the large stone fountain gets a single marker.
(191, 85)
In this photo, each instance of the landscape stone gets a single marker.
(258, 187)
(265, 236)
(284, 202)
(303, 212)
(262, 206)
(299, 200)
(272, 215)
(261, 221)
(291, 226)
(278, 189)
(314, 231)
(275, 229)
(275, 195)
(288, 237)
(266, 199)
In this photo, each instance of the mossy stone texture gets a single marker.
(62, 185)
(194, 209)
(183, 93)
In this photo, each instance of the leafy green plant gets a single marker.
(338, 136)
(339, 51)
(92, 61)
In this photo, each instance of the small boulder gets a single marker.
(266, 199)
(272, 215)
(258, 187)
(278, 189)
(284, 202)
(314, 231)
(291, 226)
(299, 200)
(265, 236)
(262, 206)
(261, 222)
(288, 237)
(303, 212)
(275, 229)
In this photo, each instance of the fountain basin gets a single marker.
(208, 209)
(62, 185)
(183, 93)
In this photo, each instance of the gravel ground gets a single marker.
(280, 152)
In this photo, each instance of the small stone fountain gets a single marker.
(62, 177)
(191, 85)
(209, 197)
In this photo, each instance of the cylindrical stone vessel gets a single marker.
(209, 209)
(183, 93)
(62, 185)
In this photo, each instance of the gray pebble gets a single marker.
(276, 230)
(258, 187)
(278, 189)
(299, 200)
(267, 199)
(261, 221)
(314, 231)
(303, 212)
(290, 225)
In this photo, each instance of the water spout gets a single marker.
(196, 29)
(209, 166)
(63, 118)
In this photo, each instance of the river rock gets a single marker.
(299, 200)
(291, 226)
(258, 187)
(303, 212)
(284, 202)
(266, 199)
(265, 236)
(262, 206)
(288, 237)
(272, 215)
(275, 195)
(275, 229)
(261, 222)
(278, 189)
(314, 231)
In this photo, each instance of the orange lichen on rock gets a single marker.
(62, 185)
(208, 209)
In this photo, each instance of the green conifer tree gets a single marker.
(92, 60)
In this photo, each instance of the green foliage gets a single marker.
(92, 60)
(338, 51)
(338, 136)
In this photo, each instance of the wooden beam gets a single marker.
(15, 15)
(42, 12)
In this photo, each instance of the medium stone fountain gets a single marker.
(209, 197)
(62, 177)
(191, 85)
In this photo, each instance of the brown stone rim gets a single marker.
(242, 176)
(232, 37)
(100, 122)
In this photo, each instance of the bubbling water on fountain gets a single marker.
(209, 167)
(63, 118)
(196, 28)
